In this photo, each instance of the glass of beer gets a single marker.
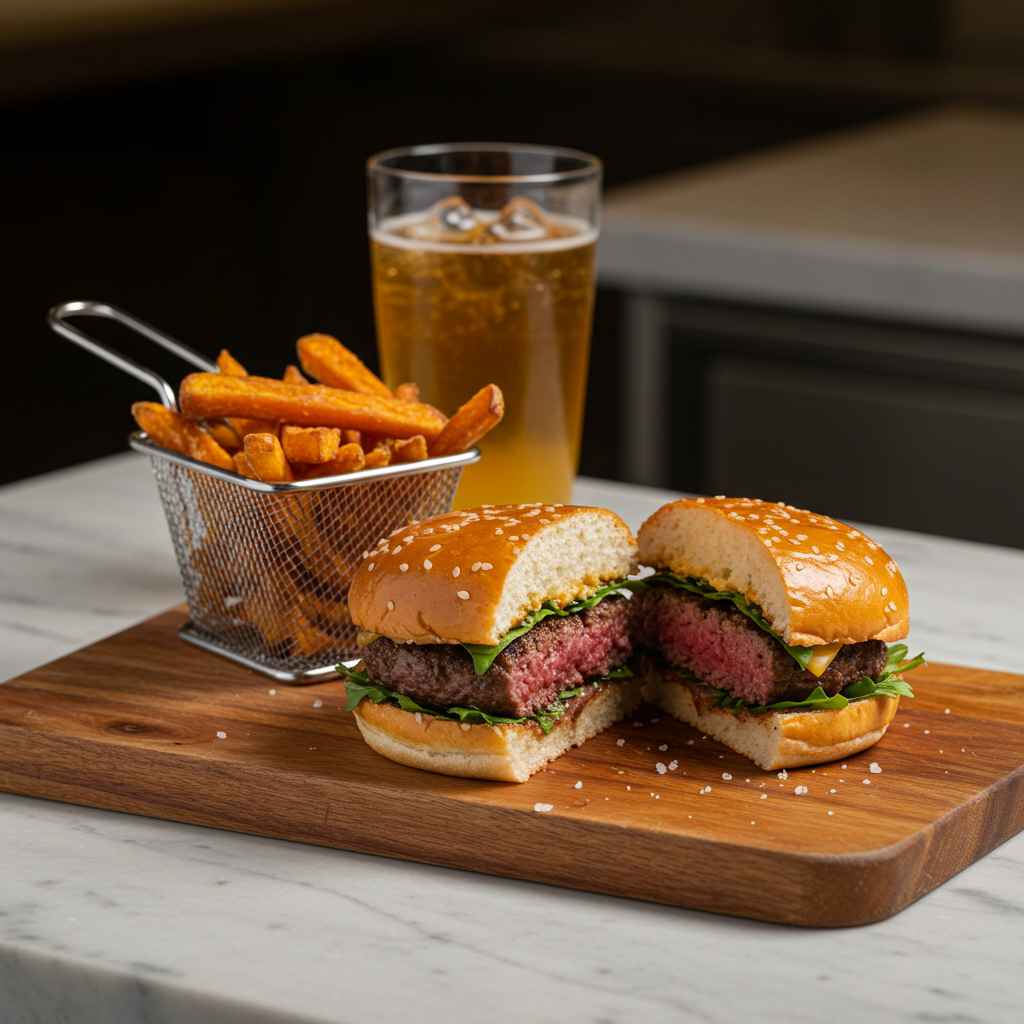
(483, 271)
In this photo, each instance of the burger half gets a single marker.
(495, 639)
(766, 627)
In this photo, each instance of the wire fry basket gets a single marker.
(266, 567)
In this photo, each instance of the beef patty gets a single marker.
(724, 649)
(557, 654)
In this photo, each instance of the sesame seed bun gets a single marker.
(505, 753)
(469, 577)
(774, 739)
(817, 581)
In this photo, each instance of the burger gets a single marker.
(495, 639)
(766, 627)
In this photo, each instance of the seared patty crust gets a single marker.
(724, 649)
(557, 654)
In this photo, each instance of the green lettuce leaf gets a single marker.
(483, 655)
(360, 687)
(889, 684)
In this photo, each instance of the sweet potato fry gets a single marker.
(307, 638)
(479, 415)
(164, 426)
(201, 446)
(380, 456)
(224, 434)
(411, 449)
(228, 364)
(210, 395)
(347, 459)
(243, 467)
(293, 375)
(266, 456)
(352, 437)
(408, 392)
(310, 445)
(328, 361)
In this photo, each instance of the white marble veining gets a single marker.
(109, 918)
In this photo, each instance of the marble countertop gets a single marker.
(911, 218)
(107, 917)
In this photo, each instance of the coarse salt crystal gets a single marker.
(663, 747)
(764, 796)
(543, 808)
(661, 768)
(673, 765)
(318, 703)
(727, 776)
(867, 782)
(800, 790)
(620, 743)
(704, 790)
(946, 711)
(830, 813)
(578, 784)
(273, 693)
(875, 768)
(783, 775)
(221, 734)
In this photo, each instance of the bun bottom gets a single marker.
(505, 753)
(774, 739)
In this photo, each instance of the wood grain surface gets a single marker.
(131, 724)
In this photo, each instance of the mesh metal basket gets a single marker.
(266, 567)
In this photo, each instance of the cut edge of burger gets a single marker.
(495, 638)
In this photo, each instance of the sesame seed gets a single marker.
(840, 546)
(407, 540)
(498, 531)
(428, 564)
(462, 595)
(543, 808)
(221, 734)
(435, 547)
(391, 606)
(885, 591)
(456, 571)
(486, 566)
(830, 592)
(396, 549)
(371, 567)
(404, 567)
(514, 536)
(869, 560)
(816, 549)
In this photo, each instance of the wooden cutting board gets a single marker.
(132, 722)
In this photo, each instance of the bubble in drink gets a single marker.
(521, 220)
(450, 220)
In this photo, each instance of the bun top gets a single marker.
(469, 577)
(817, 580)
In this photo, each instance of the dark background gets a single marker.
(206, 172)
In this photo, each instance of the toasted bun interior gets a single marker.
(776, 739)
(469, 577)
(505, 753)
(818, 581)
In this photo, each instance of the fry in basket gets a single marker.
(224, 434)
(164, 426)
(348, 459)
(229, 365)
(481, 414)
(201, 446)
(310, 445)
(352, 437)
(328, 361)
(243, 466)
(266, 456)
(408, 392)
(307, 638)
(213, 395)
(380, 456)
(293, 375)
(411, 449)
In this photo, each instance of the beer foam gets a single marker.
(389, 232)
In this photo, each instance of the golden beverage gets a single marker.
(484, 307)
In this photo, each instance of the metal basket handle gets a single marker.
(58, 318)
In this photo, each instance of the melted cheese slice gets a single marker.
(821, 657)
